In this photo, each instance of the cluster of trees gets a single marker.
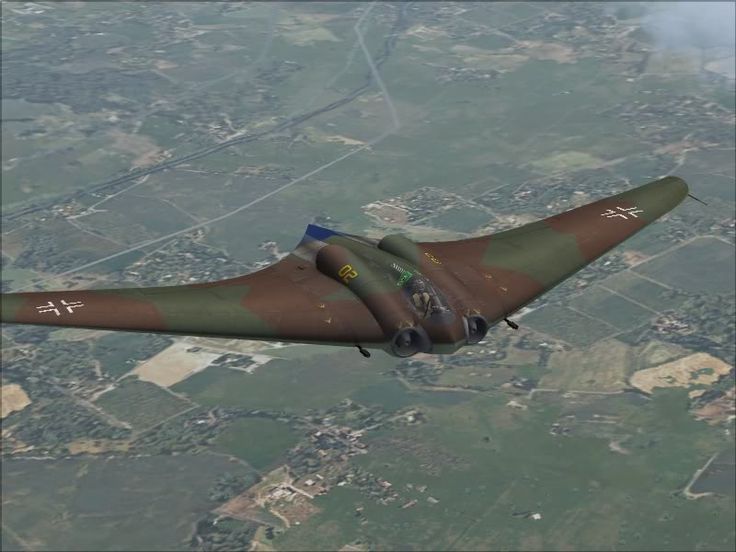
(228, 485)
(51, 426)
(213, 534)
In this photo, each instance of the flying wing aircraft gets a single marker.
(393, 294)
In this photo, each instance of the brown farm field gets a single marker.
(14, 398)
(697, 369)
(174, 364)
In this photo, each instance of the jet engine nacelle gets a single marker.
(380, 295)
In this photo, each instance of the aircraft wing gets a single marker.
(293, 301)
(507, 270)
(289, 300)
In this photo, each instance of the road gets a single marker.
(388, 46)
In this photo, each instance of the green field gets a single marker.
(611, 308)
(143, 216)
(119, 353)
(318, 381)
(711, 175)
(488, 376)
(17, 276)
(644, 291)
(258, 441)
(140, 403)
(108, 504)
(392, 395)
(563, 323)
(720, 477)
(653, 241)
(604, 366)
(461, 219)
(704, 265)
(571, 481)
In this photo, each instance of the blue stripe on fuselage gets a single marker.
(319, 233)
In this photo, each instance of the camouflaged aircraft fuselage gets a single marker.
(395, 294)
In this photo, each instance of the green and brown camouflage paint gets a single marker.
(345, 290)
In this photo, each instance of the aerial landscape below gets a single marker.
(471, 162)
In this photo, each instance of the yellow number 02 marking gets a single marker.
(432, 258)
(347, 273)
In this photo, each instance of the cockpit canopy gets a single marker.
(426, 300)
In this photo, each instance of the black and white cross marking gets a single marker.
(623, 212)
(51, 307)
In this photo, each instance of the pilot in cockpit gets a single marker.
(424, 298)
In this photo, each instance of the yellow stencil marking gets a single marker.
(347, 273)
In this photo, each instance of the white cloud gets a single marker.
(686, 25)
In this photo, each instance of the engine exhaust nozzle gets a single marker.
(476, 328)
(410, 341)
